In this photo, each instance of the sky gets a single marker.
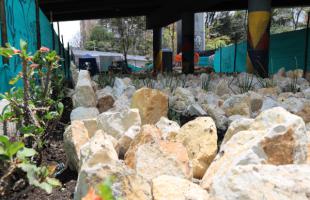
(68, 29)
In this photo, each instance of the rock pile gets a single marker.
(125, 133)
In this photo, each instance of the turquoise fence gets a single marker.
(286, 50)
(21, 24)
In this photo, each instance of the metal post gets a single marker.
(68, 61)
(221, 59)
(38, 24)
(53, 32)
(157, 39)
(59, 43)
(4, 35)
(306, 46)
(235, 55)
(63, 54)
(188, 31)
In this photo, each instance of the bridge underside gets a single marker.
(160, 13)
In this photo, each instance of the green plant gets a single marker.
(32, 107)
(13, 156)
(106, 79)
(34, 111)
(245, 83)
(103, 191)
(266, 82)
(40, 177)
(205, 82)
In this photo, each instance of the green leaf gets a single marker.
(26, 153)
(23, 46)
(60, 108)
(14, 80)
(46, 187)
(53, 181)
(14, 148)
(28, 135)
(27, 167)
(105, 190)
(4, 140)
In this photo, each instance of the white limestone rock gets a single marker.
(171, 188)
(84, 92)
(167, 127)
(117, 124)
(257, 182)
(81, 113)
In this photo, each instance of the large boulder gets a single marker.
(256, 182)
(167, 127)
(163, 158)
(105, 100)
(126, 183)
(91, 126)
(99, 149)
(117, 124)
(200, 139)
(275, 137)
(171, 188)
(152, 104)
(120, 85)
(84, 93)
(148, 133)
(81, 113)
(75, 137)
(236, 126)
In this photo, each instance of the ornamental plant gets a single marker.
(35, 114)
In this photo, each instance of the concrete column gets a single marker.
(188, 29)
(157, 56)
(179, 36)
(200, 32)
(259, 19)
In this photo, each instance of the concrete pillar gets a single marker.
(157, 56)
(188, 43)
(179, 36)
(200, 32)
(259, 19)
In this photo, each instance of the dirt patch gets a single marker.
(53, 154)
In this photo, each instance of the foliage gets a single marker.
(205, 82)
(34, 112)
(39, 177)
(106, 79)
(103, 191)
(245, 83)
(125, 35)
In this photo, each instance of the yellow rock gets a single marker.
(152, 104)
(200, 139)
(148, 133)
(75, 136)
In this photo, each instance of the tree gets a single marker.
(129, 30)
(76, 41)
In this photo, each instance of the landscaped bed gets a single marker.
(184, 137)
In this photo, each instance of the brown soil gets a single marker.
(52, 154)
